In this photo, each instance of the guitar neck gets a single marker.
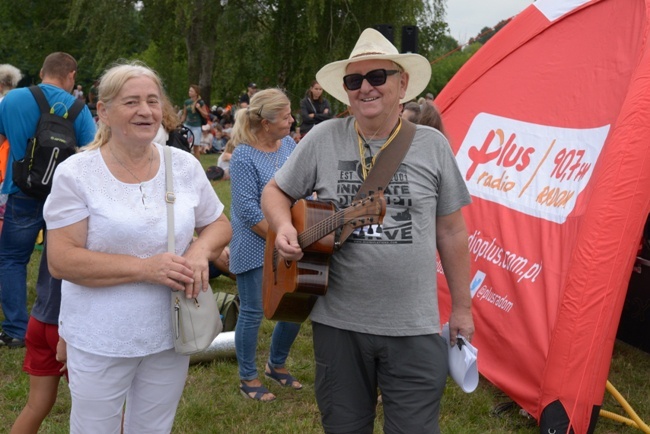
(362, 212)
(322, 228)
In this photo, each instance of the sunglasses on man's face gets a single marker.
(376, 77)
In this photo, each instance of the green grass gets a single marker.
(211, 402)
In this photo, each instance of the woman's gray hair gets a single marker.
(9, 77)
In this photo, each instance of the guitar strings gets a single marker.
(313, 234)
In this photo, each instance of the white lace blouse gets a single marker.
(128, 320)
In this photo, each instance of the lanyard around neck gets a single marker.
(362, 154)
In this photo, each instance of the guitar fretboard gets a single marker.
(359, 213)
(320, 229)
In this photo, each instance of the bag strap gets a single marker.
(207, 110)
(75, 109)
(39, 96)
(170, 198)
(385, 167)
(312, 105)
(70, 113)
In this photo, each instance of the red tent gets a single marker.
(550, 123)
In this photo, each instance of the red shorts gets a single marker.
(40, 341)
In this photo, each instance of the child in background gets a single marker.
(44, 366)
(206, 138)
(220, 139)
(224, 159)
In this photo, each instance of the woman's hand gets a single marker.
(170, 270)
(212, 239)
(198, 261)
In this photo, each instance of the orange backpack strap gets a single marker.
(4, 157)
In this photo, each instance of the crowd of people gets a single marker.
(211, 128)
(105, 261)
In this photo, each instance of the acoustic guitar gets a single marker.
(290, 288)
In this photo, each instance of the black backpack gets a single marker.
(214, 173)
(181, 138)
(53, 142)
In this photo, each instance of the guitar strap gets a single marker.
(381, 173)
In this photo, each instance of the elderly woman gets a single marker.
(263, 144)
(9, 78)
(107, 239)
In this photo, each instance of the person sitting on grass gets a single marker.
(224, 159)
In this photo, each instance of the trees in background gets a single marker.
(487, 32)
(31, 29)
(221, 45)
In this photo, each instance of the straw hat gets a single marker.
(373, 45)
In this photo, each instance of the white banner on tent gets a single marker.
(554, 9)
(539, 170)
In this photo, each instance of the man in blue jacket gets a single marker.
(19, 115)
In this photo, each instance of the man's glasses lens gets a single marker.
(376, 77)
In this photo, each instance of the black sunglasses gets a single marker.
(376, 77)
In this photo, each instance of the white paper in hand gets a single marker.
(462, 362)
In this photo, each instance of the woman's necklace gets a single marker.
(275, 162)
(363, 143)
(144, 196)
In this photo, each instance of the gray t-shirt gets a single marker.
(382, 281)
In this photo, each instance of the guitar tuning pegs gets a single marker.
(370, 231)
(379, 229)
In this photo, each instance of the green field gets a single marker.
(212, 403)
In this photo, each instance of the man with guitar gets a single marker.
(378, 326)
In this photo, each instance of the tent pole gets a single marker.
(635, 420)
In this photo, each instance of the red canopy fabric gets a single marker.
(550, 123)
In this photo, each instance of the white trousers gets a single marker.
(99, 386)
